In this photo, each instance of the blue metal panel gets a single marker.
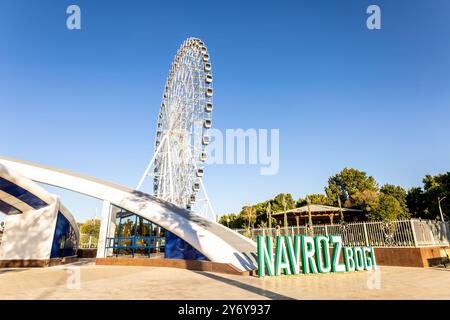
(177, 248)
(21, 194)
(8, 209)
(63, 232)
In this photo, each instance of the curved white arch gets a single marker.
(216, 242)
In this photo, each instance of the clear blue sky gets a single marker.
(340, 94)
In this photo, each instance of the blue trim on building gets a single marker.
(21, 194)
(64, 241)
(8, 209)
(177, 248)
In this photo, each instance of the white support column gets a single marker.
(206, 197)
(433, 241)
(147, 170)
(366, 237)
(169, 158)
(446, 232)
(104, 226)
(413, 230)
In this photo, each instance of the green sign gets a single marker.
(310, 255)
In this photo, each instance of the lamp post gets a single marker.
(310, 223)
(269, 217)
(269, 214)
(440, 209)
(340, 210)
(284, 205)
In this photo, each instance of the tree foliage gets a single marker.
(91, 227)
(388, 209)
(423, 202)
(416, 203)
(347, 184)
(399, 194)
(356, 189)
(249, 214)
(282, 201)
(366, 200)
(315, 198)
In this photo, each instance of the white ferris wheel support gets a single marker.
(185, 117)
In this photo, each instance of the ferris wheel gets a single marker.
(185, 117)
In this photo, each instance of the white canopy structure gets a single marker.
(216, 242)
(38, 227)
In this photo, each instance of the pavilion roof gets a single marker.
(317, 208)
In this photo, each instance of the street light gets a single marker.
(440, 209)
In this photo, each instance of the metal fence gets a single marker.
(402, 233)
(88, 241)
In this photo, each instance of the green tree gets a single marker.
(286, 198)
(389, 209)
(249, 214)
(416, 203)
(231, 220)
(226, 219)
(315, 198)
(89, 231)
(366, 200)
(282, 203)
(347, 183)
(437, 187)
(260, 210)
(399, 194)
(423, 202)
(91, 227)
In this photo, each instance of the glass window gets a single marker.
(135, 236)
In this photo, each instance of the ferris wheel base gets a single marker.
(219, 244)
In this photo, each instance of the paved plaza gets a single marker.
(124, 282)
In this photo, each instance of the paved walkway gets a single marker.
(117, 282)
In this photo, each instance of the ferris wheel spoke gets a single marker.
(181, 139)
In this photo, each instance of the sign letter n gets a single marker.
(265, 256)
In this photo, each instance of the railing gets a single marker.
(88, 241)
(402, 233)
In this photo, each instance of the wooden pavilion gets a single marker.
(320, 214)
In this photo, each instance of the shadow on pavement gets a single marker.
(3, 271)
(440, 268)
(80, 262)
(265, 293)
